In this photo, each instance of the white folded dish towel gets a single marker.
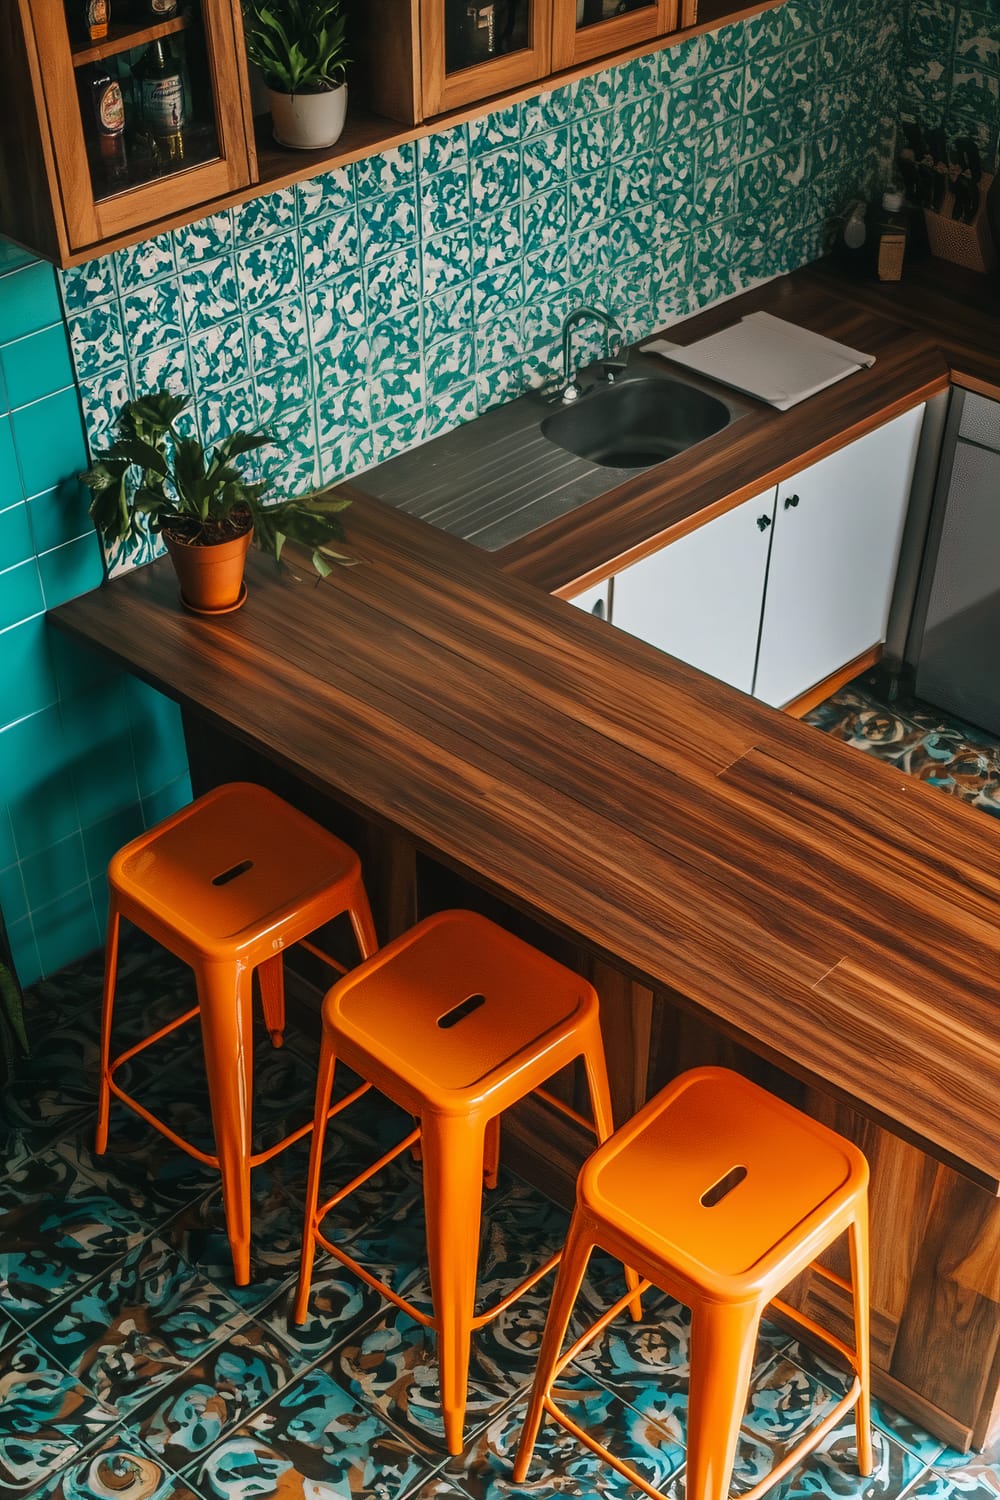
(767, 357)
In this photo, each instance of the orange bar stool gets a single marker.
(454, 1021)
(719, 1194)
(227, 884)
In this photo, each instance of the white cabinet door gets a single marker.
(837, 531)
(594, 600)
(700, 597)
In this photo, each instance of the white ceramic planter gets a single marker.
(308, 121)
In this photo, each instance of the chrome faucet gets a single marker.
(571, 388)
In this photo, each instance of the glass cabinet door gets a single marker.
(149, 113)
(475, 48)
(584, 29)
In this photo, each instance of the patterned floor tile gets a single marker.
(120, 1469)
(315, 1441)
(46, 1418)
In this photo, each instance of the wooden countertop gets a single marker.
(840, 918)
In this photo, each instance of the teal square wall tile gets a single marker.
(296, 476)
(12, 257)
(78, 668)
(447, 313)
(267, 271)
(975, 94)
(336, 307)
(36, 365)
(209, 293)
(145, 262)
(295, 431)
(102, 399)
(8, 850)
(446, 260)
(388, 223)
(233, 409)
(29, 301)
(67, 929)
(488, 132)
(495, 180)
(13, 900)
(272, 214)
(546, 111)
(588, 199)
(84, 286)
(590, 143)
(35, 756)
(330, 246)
(29, 679)
(286, 386)
(24, 951)
(443, 149)
(10, 474)
(545, 161)
(341, 411)
(71, 569)
(387, 172)
(344, 356)
(397, 434)
(277, 333)
(494, 387)
(392, 285)
(496, 239)
(630, 183)
(546, 271)
(165, 367)
(20, 594)
(449, 363)
(330, 193)
(593, 92)
(96, 733)
(351, 456)
(157, 736)
(219, 355)
(394, 345)
(15, 536)
(101, 841)
(444, 199)
(97, 339)
(932, 27)
(166, 800)
(635, 126)
(208, 239)
(498, 291)
(637, 79)
(452, 407)
(977, 42)
(151, 316)
(52, 871)
(497, 342)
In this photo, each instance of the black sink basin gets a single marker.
(636, 423)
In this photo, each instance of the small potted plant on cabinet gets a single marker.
(300, 48)
(154, 478)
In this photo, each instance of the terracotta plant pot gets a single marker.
(211, 578)
(308, 121)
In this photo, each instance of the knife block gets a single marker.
(968, 245)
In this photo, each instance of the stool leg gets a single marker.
(600, 1105)
(360, 914)
(858, 1245)
(573, 1265)
(453, 1185)
(271, 977)
(324, 1088)
(491, 1153)
(225, 997)
(107, 1008)
(723, 1339)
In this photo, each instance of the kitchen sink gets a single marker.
(636, 423)
(527, 463)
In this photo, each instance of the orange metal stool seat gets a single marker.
(719, 1194)
(226, 884)
(453, 1021)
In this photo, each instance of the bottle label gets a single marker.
(95, 19)
(163, 104)
(111, 110)
(163, 8)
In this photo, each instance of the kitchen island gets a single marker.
(739, 886)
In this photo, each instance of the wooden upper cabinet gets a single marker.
(66, 186)
(585, 29)
(473, 49)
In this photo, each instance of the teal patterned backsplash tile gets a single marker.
(951, 72)
(380, 303)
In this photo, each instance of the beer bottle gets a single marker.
(164, 105)
(89, 19)
(109, 116)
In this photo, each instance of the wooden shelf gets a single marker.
(125, 39)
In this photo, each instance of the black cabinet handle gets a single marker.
(763, 522)
(791, 501)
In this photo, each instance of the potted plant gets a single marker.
(299, 47)
(155, 478)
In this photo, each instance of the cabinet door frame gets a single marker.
(442, 91)
(572, 44)
(89, 219)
